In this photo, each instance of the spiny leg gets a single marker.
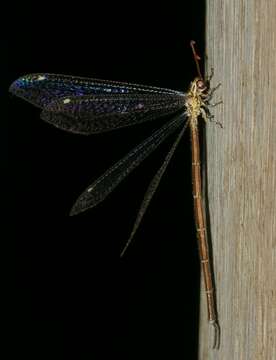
(216, 122)
(209, 77)
(211, 92)
(207, 116)
(206, 112)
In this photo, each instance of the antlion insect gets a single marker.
(87, 106)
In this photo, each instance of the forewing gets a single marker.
(93, 114)
(41, 89)
(106, 183)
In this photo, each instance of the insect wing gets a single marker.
(106, 183)
(152, 188)
(93, 114)
(41, 89)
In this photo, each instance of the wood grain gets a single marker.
(241, 166)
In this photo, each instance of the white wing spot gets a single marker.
(41, 77)
(90, 189)
(66, 101)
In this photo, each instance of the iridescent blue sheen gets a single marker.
(86, 106)
(83, 105)
(41, 89)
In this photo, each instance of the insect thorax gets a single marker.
(196, 99)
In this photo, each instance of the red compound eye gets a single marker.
(201, 84)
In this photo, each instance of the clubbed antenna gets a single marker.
(196, 57)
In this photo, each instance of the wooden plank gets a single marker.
(241, 166)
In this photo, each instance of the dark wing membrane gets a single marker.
(93, 114)
(106, 183)
(41, 89)
(152, 188)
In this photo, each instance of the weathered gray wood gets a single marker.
(241, 160)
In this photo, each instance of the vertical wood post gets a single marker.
(241, 169)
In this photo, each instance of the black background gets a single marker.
(74, 298)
